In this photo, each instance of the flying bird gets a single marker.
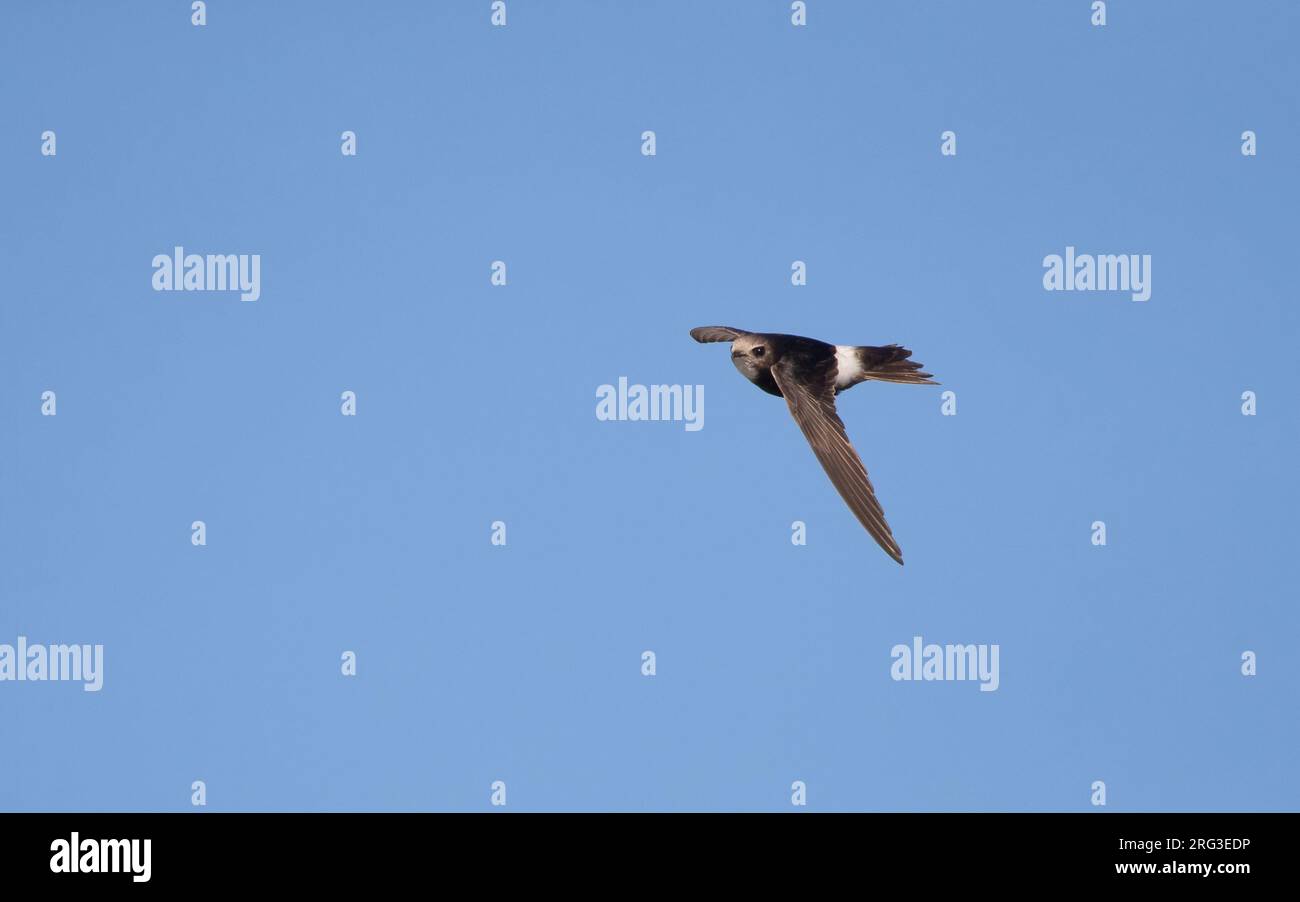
(809, 374)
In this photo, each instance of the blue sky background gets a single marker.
(476, 403)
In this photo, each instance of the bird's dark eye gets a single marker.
(758, 352)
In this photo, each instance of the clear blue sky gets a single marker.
(476, 403)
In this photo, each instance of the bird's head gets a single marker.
(752, 355)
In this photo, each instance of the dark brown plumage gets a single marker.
(809, 374)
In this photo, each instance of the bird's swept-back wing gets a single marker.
(809, 389)
(704, 334)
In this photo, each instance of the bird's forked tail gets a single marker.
(891, 364)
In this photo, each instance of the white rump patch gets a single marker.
(848, 365)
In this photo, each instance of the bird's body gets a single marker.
(809, 374)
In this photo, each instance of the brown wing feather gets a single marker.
(813, 407)
(716, 333)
